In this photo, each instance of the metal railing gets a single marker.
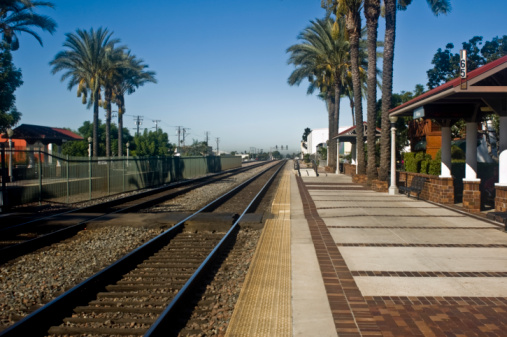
(36, 176)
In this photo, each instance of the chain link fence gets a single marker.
(35, 176)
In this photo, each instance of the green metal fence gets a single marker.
(40, 176)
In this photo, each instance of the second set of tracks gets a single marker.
(24, 232)
(148, 292)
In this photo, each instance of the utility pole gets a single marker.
(218, 149)
(179, 138)
(184, 134)
(206, 136)
(181, 134)
(138, 120)
(156, 121)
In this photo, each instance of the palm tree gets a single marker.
(127, 80)
(18, 16)
(115, 64)
(323, 59)
(84, 64)
(437, 7)
(351, 9)
(371, 13)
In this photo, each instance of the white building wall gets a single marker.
(316, 137)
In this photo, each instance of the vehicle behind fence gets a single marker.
(34, 176)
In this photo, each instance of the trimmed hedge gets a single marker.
(420, 162)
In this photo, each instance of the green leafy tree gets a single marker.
(446, 63)
(18, 16)
(305, 134)
(84, 63)
(276, 155)
(80, 148)
(10, 80)
(494, 49)
(152, 143)
(196, 149)
(402, 123)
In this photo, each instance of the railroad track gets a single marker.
(23, 233)
(146, 292)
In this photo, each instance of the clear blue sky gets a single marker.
(221, 65)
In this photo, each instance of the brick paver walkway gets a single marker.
(393, 266)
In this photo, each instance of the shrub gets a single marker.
(417, 162)
(456, 153)
(306, 158)
(435, 167)
(410, 162)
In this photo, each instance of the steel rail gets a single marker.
(112, 203)
(169, 316)
(39, 322)
(11, 252)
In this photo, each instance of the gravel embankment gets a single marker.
(37, 278)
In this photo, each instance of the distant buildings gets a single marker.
(319, 137)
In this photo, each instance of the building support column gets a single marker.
(501, 186)
(338, 156)
(353, 153)
(393, 189)
(445, 171)
(471, 191)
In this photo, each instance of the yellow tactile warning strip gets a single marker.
(264, 304)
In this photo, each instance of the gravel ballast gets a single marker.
(35, 279)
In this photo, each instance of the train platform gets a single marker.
(338, 259)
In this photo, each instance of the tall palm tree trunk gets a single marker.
(354, 28)
(332, 143)
(108, 127)
(331, 150)
(372, 11)
(387, 86)
(96, 124)
(121, 111)
(120, 134)
(352, 111)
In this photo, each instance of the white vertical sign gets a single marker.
(463, 68)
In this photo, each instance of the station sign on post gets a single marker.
(419, 112)
(463, 68)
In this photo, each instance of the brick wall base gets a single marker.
(360, 179)
(379, 186)
(471, 196)
(441, 190)
(436, 189)
(501, 198)
(349, 169)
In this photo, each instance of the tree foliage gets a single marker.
(10, 80)
(86, 62)
(305, 134)
(196, 149)
(80, 148)
(152, 143)
(446, 62)
(18, 16)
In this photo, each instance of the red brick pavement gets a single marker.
(355, 315)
